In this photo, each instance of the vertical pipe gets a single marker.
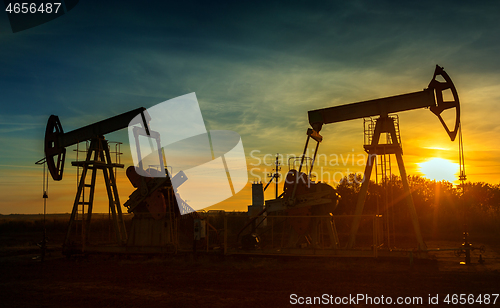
(364, 186)
(300, 169)
(272, 231)
(107, 182)
(207, 230)
(225, 234)
(314, 159)
(113, 193)
(276, 177)
(406, 186)
(90, 206)
(375, 236)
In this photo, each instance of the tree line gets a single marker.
(442, 208)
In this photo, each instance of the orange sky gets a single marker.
(423, 138)
(256, 73)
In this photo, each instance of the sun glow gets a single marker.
(437, 148)
(440, 169)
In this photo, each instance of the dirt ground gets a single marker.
(213, 281)
(228, 281)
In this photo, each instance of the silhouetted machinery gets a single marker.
(153, 203)
(303, 204)
(432, 97)
(304, 199)
(299, 211)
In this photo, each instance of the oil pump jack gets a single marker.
(153, 200)
(306, 200)
(432, 97)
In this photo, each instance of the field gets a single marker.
(185, 280)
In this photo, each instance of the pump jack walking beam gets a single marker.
(56, 140)
(432, 98)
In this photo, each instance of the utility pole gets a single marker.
(275, 175)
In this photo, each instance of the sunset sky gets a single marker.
(256, 68)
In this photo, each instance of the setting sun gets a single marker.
(439, 169)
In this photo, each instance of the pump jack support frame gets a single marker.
(385, 124)
(98, 157)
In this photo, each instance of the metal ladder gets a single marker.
(97, 157)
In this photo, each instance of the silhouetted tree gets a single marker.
(440, 206)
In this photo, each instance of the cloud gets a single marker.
(257, 68)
